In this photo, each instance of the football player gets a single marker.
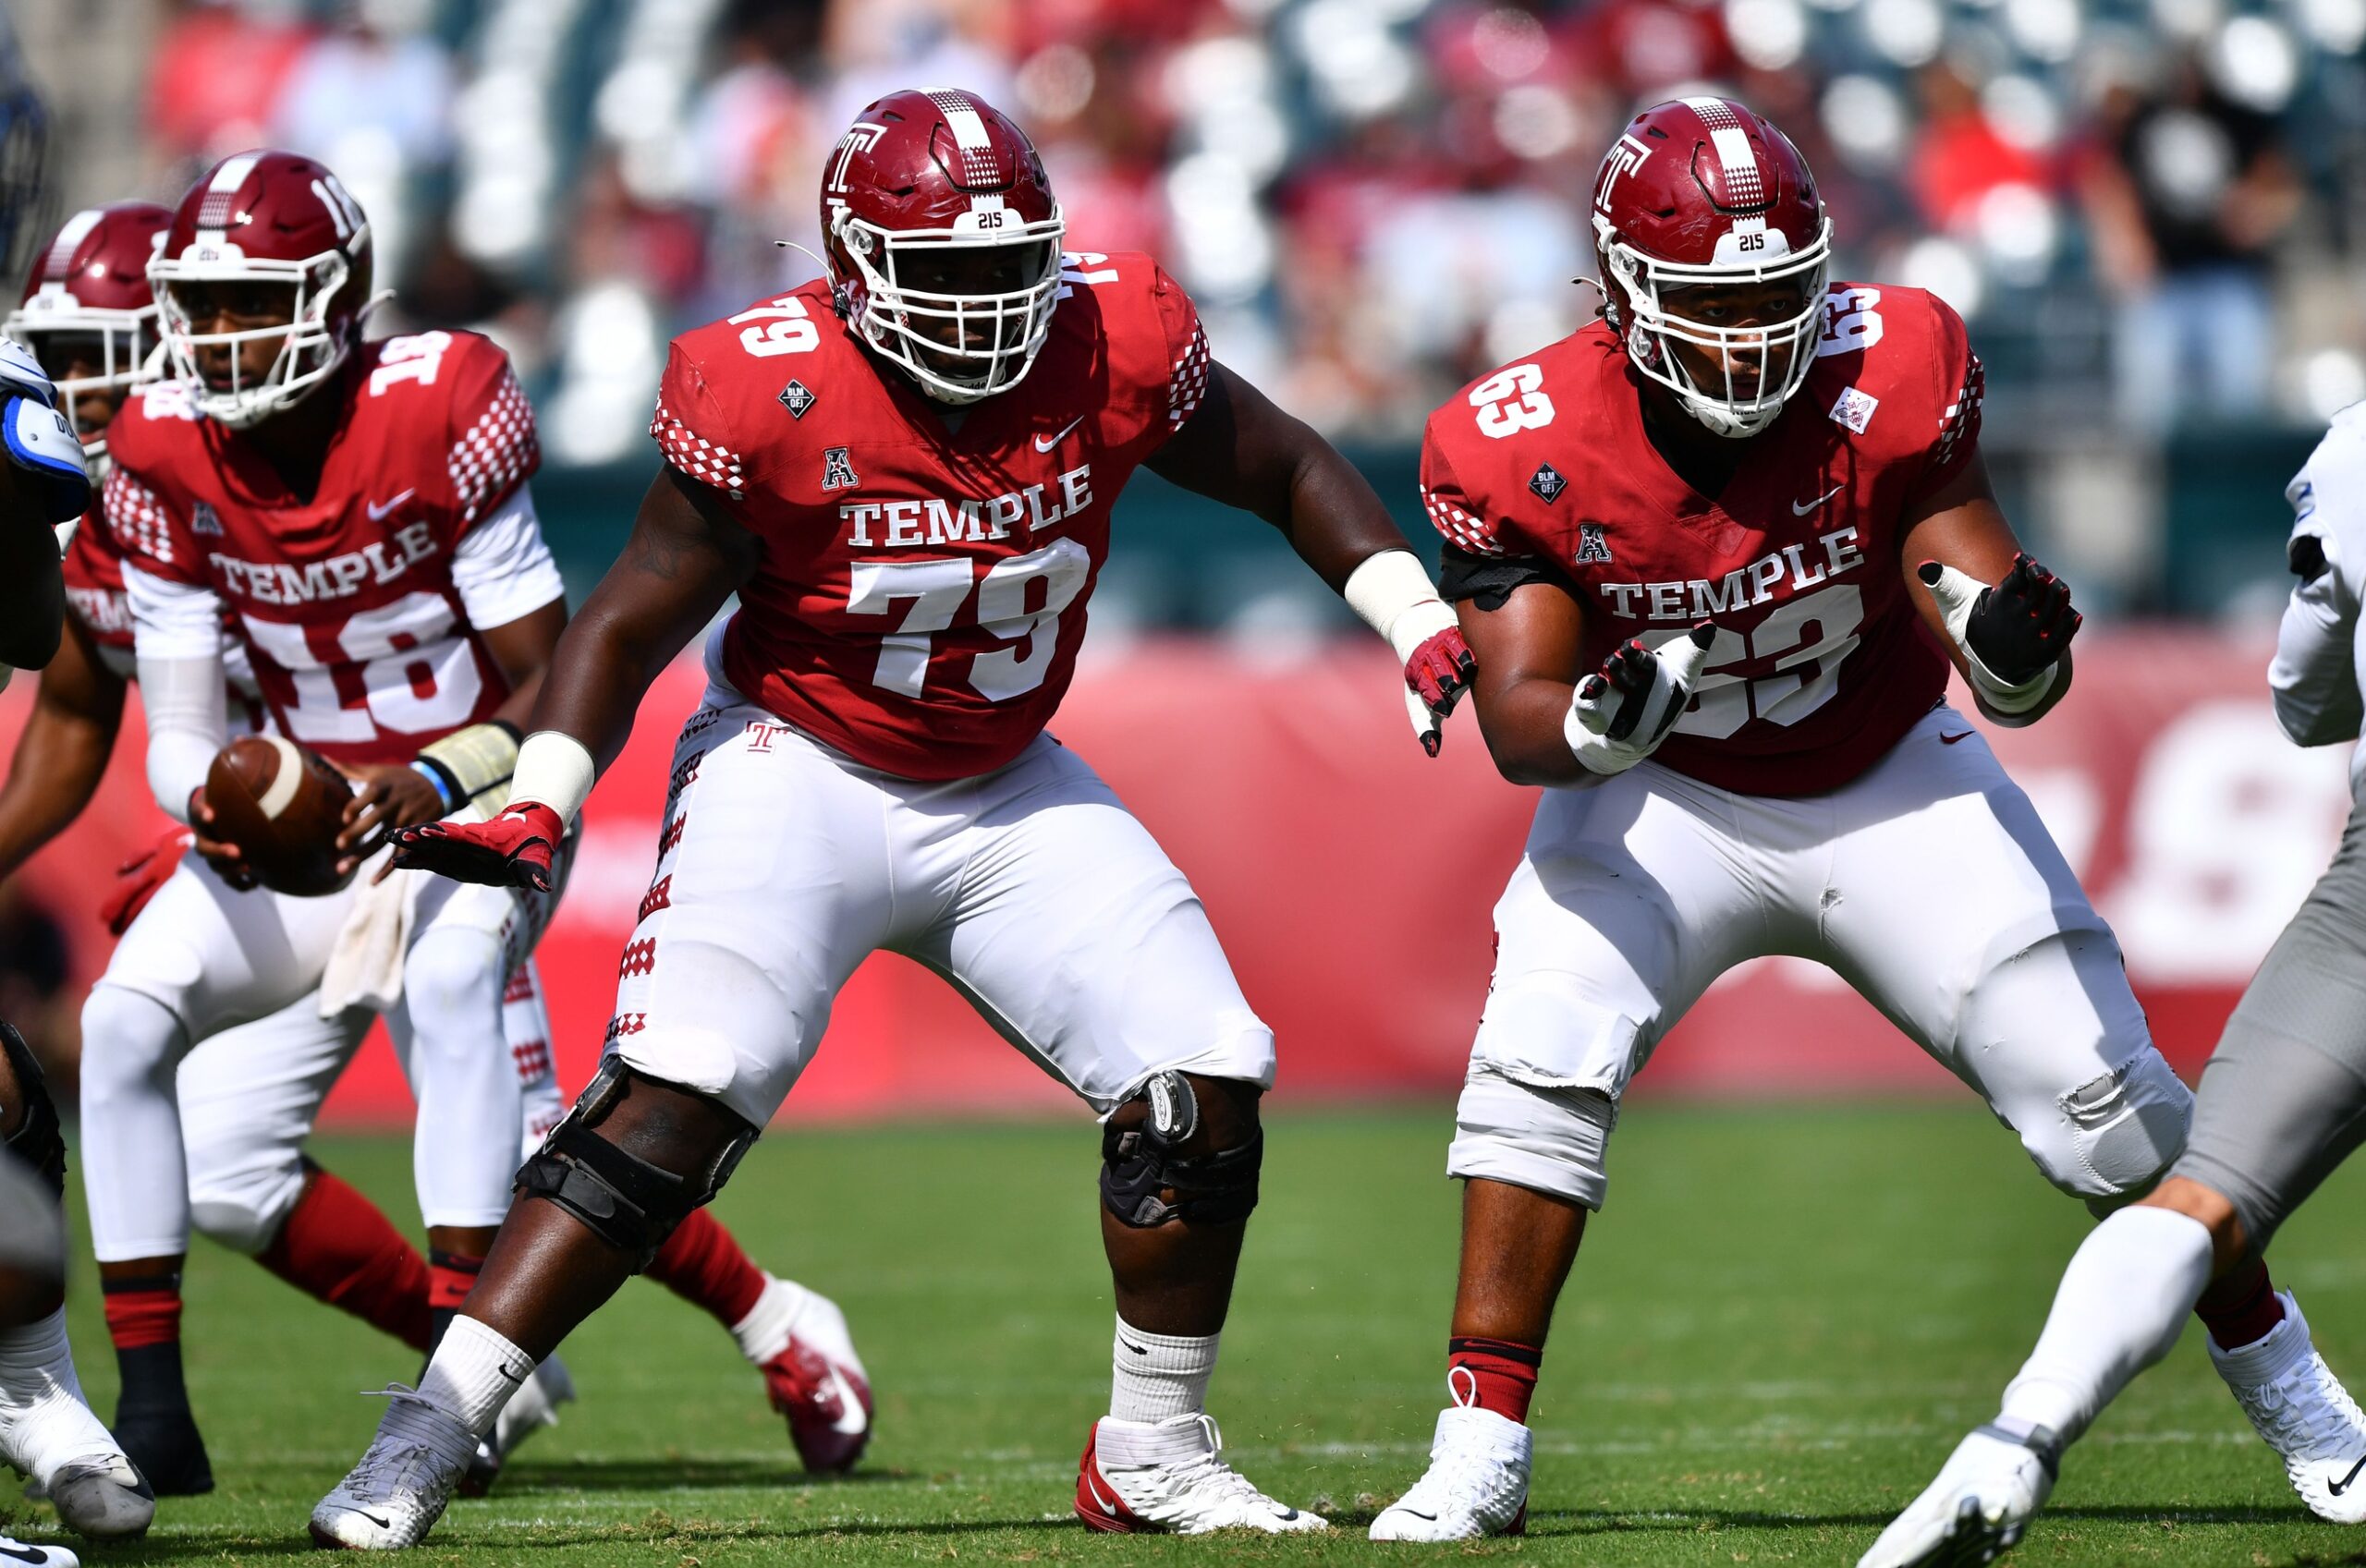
(358, 514)
(249, 1097)
(905, 470)
(2283, 1103)
(1715, 552)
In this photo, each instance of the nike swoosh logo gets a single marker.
(518, 1375)
(1951, 740)
(1417, 1513)
(1130, 1344)
(850, 1418)
(374, 1519)
(378, 511)
(25, 1553)
(2337, 1487)
(1799, 511)
(1104, 1501)
(1044, 443)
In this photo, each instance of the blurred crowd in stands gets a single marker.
(2154, 211)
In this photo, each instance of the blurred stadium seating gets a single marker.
(1372, 201)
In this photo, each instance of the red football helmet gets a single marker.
(266, 217)
(920, 178)
(91, 282)
(1702, 191)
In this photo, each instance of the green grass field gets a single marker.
(1779, 1328)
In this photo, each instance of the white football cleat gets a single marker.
(1987, 1492)
(1168, 1476)
(103, 1498)
(49, 1432)
(2296, 1403)
(395, 1495)
(39, 1556)
(531, 1408)
(1476, 1484)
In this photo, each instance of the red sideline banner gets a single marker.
(1351, 879)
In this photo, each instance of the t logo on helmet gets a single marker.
(1625, 159)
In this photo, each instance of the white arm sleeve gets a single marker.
(503, 568)
(187, 724)
(2314, 675)
(177, 632)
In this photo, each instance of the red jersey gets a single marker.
(93, 570)
(346, 599)
(1821, 662)
(94, 596)
(921, 589)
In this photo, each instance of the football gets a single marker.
(282, 806)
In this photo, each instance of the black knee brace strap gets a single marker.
(622, 1198)
(1138, 1163)
(39, 1142)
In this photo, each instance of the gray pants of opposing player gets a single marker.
(2283, 1100)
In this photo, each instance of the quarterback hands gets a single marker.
(229, 862)
(2013, 636)
(386, 797)
(1623, 711)
(139, 877)
(513, 850)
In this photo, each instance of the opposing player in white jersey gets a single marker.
(2282, 1103)
(293, 259)
(47, 1429)
(906, 472)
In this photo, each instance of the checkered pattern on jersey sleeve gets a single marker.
(137, 518)
(1959, 422)
(1187, 383)
(709, 462)
(496, 452)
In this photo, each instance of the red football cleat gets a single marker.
(827, 1403)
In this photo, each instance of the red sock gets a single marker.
(450, 1277)
(2252, 1310)
(703, 1263)
(144, 1311)
(144, 1320)
(1497, 1375)
(336, 1246)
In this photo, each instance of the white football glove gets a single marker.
(1623, 711)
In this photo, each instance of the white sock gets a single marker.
(1159, 1377)
(765, 1331)
(49, 1423)
(473, 1374)
(2124, 1300)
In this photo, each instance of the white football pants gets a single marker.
(1031, 889)
(1929, 884)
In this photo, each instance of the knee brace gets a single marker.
(620, 1197)
(2117, 1135)
(1140, 1164)
(39, 1141)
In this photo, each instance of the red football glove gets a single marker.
(513, 850)
(1440, 670)
(139, 877)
